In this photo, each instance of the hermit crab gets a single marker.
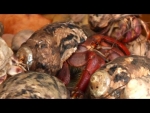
(123, 27)
(126, 77)
(53, 48)
(33, 85)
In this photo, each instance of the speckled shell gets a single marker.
(98, 21)
(33, 85)
(121, 71)
(53, 44)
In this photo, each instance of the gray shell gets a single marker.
(33, 85)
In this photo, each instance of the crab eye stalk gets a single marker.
(25, 56)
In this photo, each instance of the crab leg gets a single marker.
(96, 39)
(106, 46)
(120, 45)
(64, 74)
(135, 30)
(94, 62)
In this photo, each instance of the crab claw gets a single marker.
(64, 74)
(135, 32)
(15, 70)
(15, 67)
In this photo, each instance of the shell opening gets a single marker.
(25, 56)
(99, 83)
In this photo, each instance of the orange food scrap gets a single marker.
(13, 23)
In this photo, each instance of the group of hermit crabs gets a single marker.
(107, 59)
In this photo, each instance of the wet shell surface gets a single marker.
(124, 77)
(33, 85)
(50, 46)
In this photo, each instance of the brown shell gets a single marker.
(121, 71)
(52, 45)
(33, 85)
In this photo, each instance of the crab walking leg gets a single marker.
(120, 45)
(64, 74)
(109, 51)
(95, 62)
(96, 39)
